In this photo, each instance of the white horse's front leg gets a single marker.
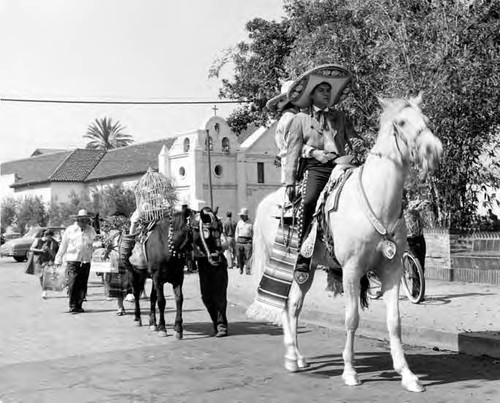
(294, 360)
(352, 290)
(288, 340)
(391, 297)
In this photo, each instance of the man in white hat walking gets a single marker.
(317, 136)
(244, 237)
(76, 244)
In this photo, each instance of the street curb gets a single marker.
(466, 343)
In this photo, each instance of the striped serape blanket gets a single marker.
(276, 281)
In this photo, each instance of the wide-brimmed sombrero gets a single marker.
(280, 100)
(337, 76)
(82, 214)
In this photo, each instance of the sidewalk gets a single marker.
(461, 317)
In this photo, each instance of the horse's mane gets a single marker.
(178, 221)
(393, 106)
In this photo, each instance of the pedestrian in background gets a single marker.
(118, 284)
(414, 231)
(244, 237)
(76, 245)
(230, 230)
(45, 251)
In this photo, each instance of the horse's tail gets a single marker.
(260, 248)
(265, 227)
(363, 295)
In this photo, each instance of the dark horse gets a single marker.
(167, 242)
(165, 245)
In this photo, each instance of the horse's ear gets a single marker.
(384, 103)
(216, 210)
(417, 100)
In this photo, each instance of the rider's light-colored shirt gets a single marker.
(307, 134)
(76, 244)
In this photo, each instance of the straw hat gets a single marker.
(82, 214)
(244, 211)
(337, 76)
(280, 100)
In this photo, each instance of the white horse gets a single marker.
(403, 139)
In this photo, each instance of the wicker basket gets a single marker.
(154, 195)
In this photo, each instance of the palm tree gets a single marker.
(106, 135)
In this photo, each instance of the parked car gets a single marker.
(18, 248)
(8, 236)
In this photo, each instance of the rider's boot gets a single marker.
(302, 269)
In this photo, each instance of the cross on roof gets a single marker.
(215, 109)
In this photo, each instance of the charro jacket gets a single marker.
(306, 135)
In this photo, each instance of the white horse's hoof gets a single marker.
(351, 379)
(412, 385)
(291, 365)
(302, 363)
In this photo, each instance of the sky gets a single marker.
(113, 50)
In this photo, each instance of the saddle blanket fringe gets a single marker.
(276, 281)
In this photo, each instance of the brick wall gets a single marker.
(469, 257)
(437, 259)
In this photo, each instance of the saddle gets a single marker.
(327, 201)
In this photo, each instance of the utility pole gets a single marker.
(209, 145)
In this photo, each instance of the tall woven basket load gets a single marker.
(154, 196)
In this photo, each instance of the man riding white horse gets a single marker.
(317, 137)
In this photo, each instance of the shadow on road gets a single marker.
(235, 328)
(432, 369)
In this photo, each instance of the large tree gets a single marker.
(446, 48)
(259, 67)
(104, 134)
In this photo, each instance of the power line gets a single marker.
(63, 101)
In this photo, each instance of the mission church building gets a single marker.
(241, 174)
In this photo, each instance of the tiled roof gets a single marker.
(34, 169)
(77, 166)
(130, 160)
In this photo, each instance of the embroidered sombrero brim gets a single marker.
(277, 102)
(337, 76)
(280, 100)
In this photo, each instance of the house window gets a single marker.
(225, 145)
(260, 172)
(186, 145)
(182, 172)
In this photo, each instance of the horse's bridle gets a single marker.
(398, 137)
(209, 230)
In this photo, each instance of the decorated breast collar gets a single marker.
(388, 245)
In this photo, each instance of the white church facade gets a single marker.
(228, 175)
